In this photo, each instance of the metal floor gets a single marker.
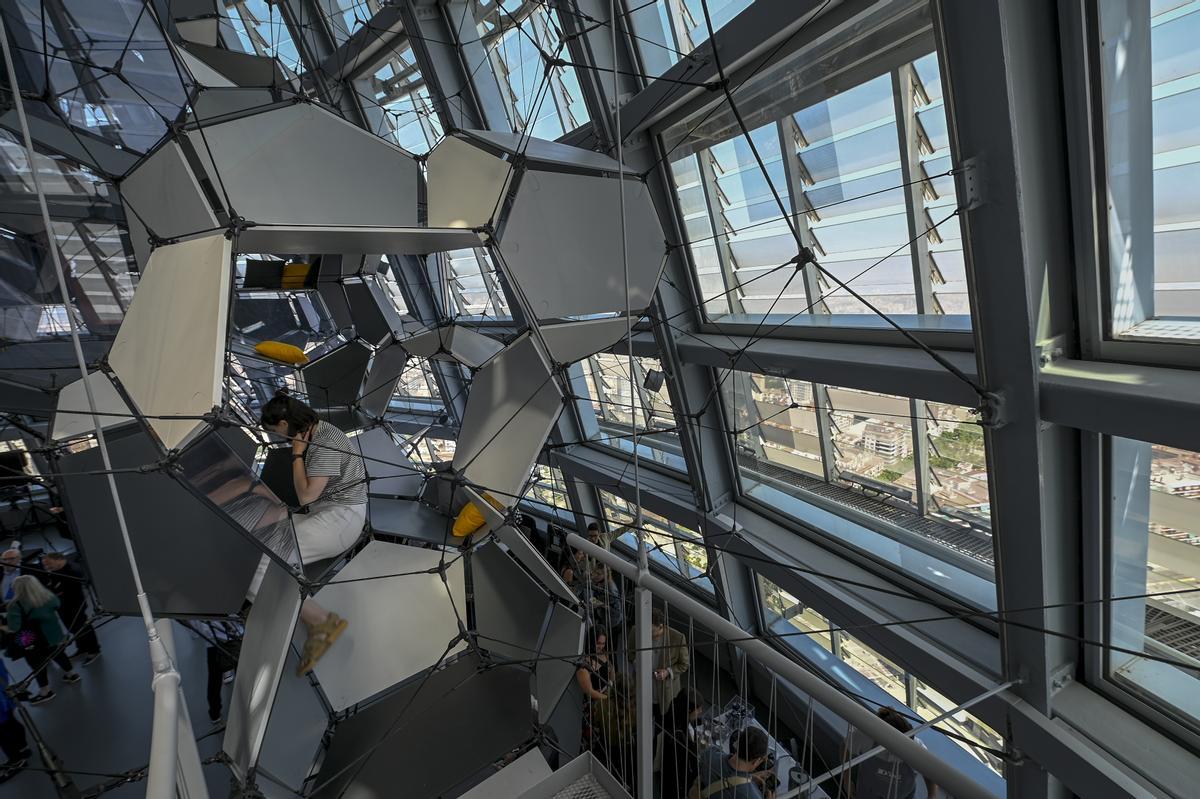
(101, 725)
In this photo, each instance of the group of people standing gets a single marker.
(44, 609)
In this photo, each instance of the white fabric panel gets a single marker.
(302, 165)
(513, 780)
(268, 633)
(471, 348)
(424, 344)
(560, 650)
(562, 244)
(399, 626)
(513, 403)
(465, 184)
(200, 31)
(510, 607)
(391, 473)
(166, 195)
(73, 397)
(547, 152)
(298, 722)
(382, 378)
(213, 103)
(525, 552)
(139, 237)
(303, 239)
(454, 342)
(569, 342)
(204, 74)
(170, 351)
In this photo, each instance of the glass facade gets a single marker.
(258, 28)
(520, 37)
(398, 104)
(1150, 75)
(621, 405)
(548, 492)
(667, 30)
(674, 547)
(1154, 576)
(852, 122)
(910, 470)
(864, 177)
(792, 621)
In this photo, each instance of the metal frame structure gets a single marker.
(1016, 76)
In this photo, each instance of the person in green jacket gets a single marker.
(33, 619)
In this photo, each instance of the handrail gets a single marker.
(956, 782)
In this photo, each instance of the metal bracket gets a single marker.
(972, 184)
(1049, 351)
(1061, 678)
(993, 412)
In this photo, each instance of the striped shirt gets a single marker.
(332, 454)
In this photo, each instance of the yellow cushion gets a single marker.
(295, 274)
(279, 351)
(469, 520)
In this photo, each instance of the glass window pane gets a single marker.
(957, 465)
(676, 548)
(873, 433)
(474, 286)
(787, 616)
(843, 462)
(430, 451)
(517, 35)
(260, 29)
(875, 667)
(622, 405)
(930, 704)
(839, 167)
(1154, 530)
(397, 103)
(548, 491)
(667, 30)
(1150, 72)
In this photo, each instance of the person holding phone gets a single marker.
(331, 481)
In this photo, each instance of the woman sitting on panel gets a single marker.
(331, 479)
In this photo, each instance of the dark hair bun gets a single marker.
(281, 392)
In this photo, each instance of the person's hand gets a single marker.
(300, 442)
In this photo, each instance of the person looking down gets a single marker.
(738, 773)
(331, 480)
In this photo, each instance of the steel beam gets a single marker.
(1149, 403)
(907, 372)
(996, 59)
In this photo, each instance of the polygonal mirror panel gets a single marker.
(401, 619)
(193, 560)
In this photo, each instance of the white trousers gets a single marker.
(326, 531)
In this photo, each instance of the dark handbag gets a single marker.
(29, 635)
(12, 649)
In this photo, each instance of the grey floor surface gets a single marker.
(101, 725)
